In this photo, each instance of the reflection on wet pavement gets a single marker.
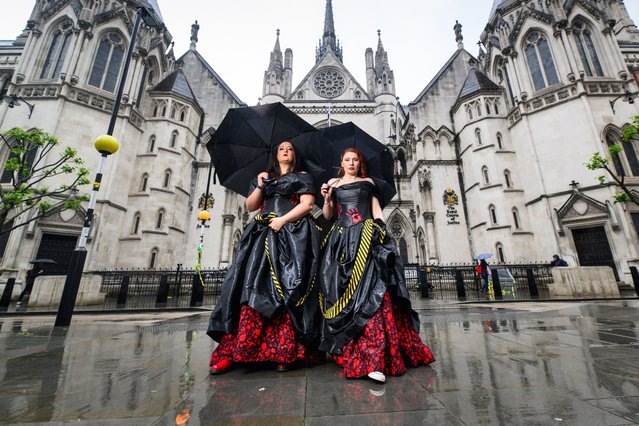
(536, 363)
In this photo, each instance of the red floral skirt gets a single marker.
(261, 339)
(388, 343)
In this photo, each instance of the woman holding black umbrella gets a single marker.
(268, 309)
(369, 325)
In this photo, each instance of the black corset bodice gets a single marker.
(353, 202)
(284, 194)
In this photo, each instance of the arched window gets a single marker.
(144, 182)
(629, 150)
(478, 109)
(496, 105)
(403, 248)
(57, 51)
(616, 159)
(470, 113)
(516, 219)
(540, 61)
(401, 157)
(173, 111)
(151, 146)
(136, 223)
(182, 114)
(160, 219)
(478, 136)
(484, 174)
(499, 248)
(500, 141)
(154, 257)
(155, 109)
(492, 212)
(358, 94)
(487, 107)
(173, 141)
(586, 48)
(107, 63)
(508, 179)
(167, 178)
(300, 95)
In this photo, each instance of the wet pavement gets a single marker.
(505, 364)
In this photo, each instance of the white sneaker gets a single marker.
(377, 376)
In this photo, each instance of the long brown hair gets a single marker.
(362, 163)
(274, 170)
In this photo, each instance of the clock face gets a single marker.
(328, 83)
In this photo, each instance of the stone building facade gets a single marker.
(488, 157)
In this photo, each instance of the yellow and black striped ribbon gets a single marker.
(278, 286)
(356, 276)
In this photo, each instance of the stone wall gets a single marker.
(584, 281)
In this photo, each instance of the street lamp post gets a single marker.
(106, 145)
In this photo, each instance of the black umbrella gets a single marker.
(43, 261)
(242, 146)
(322, 151)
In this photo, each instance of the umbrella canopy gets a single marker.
(484, 256)
(43, 261)
(242, 146)
(322, 152)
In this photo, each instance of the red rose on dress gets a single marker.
(295, 199)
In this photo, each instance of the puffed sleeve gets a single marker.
(304, 184)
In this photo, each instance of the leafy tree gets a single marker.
(599, 162)
(34, 181)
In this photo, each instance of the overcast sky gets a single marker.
(236, 37)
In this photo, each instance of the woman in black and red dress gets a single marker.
(268, 309)
(369, 325)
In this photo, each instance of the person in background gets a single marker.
(557, 261)
(484, 272)
(32, 274)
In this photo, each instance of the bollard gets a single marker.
(197, 292)
(532, 284)
(459, 281)
(422, 276)
(6, 294)
(635, 278)
(163, 291)
(124, 290)
(496, 284)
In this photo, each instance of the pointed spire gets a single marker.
(380, 46)
(459, 38)
(329, 39)
(329, 24)
(195, 28)
(277, 42)
(276, 63)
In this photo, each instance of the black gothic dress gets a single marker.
(368, 320)
(268, 309)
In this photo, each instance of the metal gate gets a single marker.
(593, 248)
(59, 248)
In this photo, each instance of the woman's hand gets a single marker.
(276, 223)
(327, 192)
(260, 179)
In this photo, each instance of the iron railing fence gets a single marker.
(520, 281)
(180, 288)
(171, 288)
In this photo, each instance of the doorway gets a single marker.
(58, 248)
(593, 248)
